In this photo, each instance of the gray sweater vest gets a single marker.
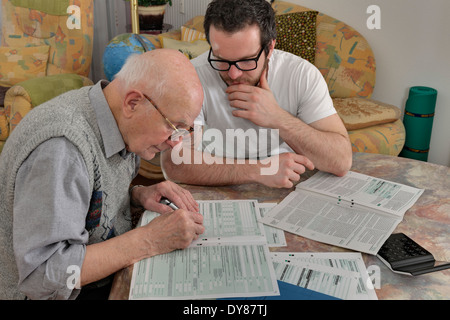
(72, 116)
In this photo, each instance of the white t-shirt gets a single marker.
(298, 87)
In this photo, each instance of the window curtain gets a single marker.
(111, 18)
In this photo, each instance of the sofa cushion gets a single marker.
(190, 49)
(21, 98)
(22, 63)
(155, 40)
(358, 113)
(296, 33)
(37, 91)
(193, 29)
(56, 8)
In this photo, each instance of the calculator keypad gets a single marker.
(401, 250)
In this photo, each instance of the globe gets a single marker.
(120, 48)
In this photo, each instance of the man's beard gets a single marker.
(251, 82)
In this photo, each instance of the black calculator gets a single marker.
(403, 255)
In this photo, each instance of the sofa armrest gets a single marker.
(24, 96)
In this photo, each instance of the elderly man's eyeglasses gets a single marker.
(243, 65)
(178, 132)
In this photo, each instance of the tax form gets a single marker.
(275, 237)
(357, 211)
(338, 274)
(231, 259)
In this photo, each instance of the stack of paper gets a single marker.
(340, 275)
(232, 260)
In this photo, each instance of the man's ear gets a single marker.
(271, 48)
(130, 102)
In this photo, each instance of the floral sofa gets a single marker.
(41, 55)
(345, 60)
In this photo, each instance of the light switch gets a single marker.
(182, 6)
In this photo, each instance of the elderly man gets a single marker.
(275, 104)
(66, 171)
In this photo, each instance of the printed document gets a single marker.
(231, 259)
(275, 237)
(339, 274)
(356, 211)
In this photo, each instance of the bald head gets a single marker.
(157, 71)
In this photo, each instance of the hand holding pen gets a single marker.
(169, 203)
(150, 197)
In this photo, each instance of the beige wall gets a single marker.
(412, 48)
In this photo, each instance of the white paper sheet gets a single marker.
(230, 260)
(335, 210)
(334, 261)
(275, 237)
(357, 188)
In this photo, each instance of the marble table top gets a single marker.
(427, 223)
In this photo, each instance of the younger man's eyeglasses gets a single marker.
(243, 65)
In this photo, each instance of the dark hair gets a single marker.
(234, 15)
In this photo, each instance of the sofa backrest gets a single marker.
(27, 23)
(343, 55)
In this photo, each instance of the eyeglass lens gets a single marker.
(243, 65)
(246, 65)
(180, 133)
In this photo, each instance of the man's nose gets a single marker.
(172, 144)
(234, 72)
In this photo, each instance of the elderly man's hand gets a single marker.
(150, 196)
(172, 231)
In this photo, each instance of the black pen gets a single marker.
(169, 203)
